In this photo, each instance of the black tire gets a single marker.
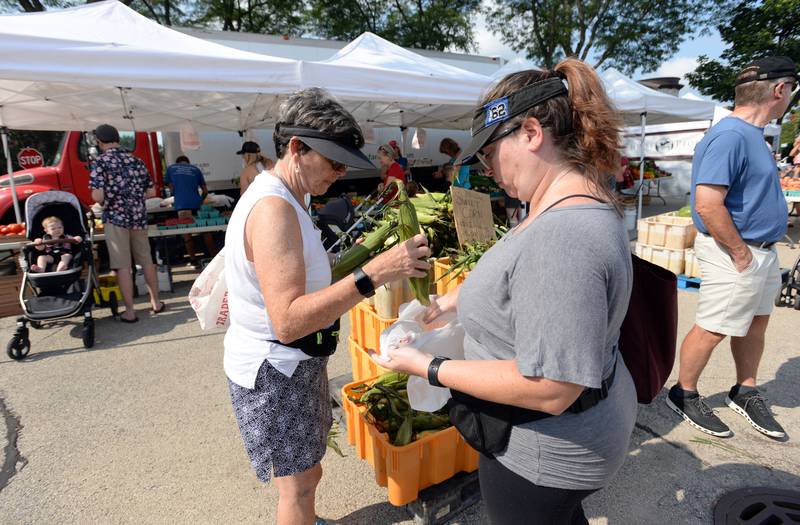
(797, 301)
(18, 347)
(113, 304)
(88, 334)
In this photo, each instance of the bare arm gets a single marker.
(246, 176)
(278, 260)
(204, 191)
(710, 205)
(493, 380)
(98, 196)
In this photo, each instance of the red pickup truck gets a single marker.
(70, 170)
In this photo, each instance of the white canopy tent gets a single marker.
(103, 62)
(383, 83)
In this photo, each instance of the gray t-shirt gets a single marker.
(553, 297)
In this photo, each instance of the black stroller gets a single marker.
(789, 295)
(52, 296)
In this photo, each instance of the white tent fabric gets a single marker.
(384, 83)
(632, 99)
(71, 69)
(103, 62)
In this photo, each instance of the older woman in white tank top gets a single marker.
(282, 302)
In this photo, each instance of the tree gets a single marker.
(280, 17)
(752, 30)
(626, 34)
(424, 24)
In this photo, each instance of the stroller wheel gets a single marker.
(113, 305)
(18, 347)
(88, 334)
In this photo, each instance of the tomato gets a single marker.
(3, 230)
(14, 228)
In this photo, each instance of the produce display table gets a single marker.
(19, 241)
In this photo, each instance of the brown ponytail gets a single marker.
(584, 125)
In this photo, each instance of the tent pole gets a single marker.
(10, 170)
(642, 123)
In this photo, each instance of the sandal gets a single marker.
(160, 309)
(134, 320)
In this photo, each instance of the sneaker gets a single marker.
(694, 409)
(753, 407)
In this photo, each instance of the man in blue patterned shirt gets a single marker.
(120, 183)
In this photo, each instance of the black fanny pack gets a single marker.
(486, 425)
(321, 343)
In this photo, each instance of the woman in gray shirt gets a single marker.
(543, 308)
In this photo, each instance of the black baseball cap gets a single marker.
(492, 115)
(342, 149)
(249, 147)
(106, 133)
(769, 68)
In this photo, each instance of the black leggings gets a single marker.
(511, 499)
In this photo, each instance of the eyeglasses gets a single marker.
(483, 157)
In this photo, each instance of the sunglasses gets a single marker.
(337, 166)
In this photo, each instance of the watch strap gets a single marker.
(364, 284)
(433, 370)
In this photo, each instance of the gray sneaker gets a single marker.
(753, 407)
(694, 409)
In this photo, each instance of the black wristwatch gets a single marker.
(363, 283)
(433, 370)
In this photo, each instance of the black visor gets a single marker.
(337, 149)
(490, 116)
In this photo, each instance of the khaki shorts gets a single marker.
(122, 243)
(728, 299)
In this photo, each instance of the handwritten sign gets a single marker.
(472, 212)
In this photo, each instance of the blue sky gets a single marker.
(684, 60)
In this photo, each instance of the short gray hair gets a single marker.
(755, 92)
(315, 108)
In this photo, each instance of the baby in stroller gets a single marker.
(58, 255)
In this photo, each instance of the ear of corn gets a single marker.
(358, 254)
(408, 227)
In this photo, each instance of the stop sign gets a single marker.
(30, 158)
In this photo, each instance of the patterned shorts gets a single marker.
(284, 421)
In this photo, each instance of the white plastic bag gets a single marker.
(444, 337)
(209, 295)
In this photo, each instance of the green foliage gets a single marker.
(752, 29)
(628, 35)
(424, 24)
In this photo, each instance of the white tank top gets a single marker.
(247, 339)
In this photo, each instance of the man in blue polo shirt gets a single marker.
(740, 213)
(189, 188)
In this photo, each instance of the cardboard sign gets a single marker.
(472, 212)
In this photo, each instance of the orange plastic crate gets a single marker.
(406, 470)
(409, 469)
(362, 366)
(366, 326)
(446, 283)
(357, 435)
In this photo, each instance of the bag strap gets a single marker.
(562, 199)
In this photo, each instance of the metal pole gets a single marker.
(10, 169)
(642, 123)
